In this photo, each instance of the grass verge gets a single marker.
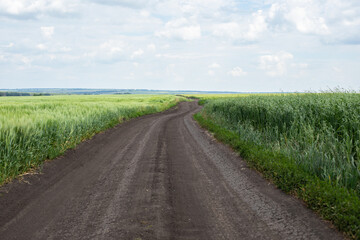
(339, 205)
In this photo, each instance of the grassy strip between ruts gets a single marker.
(339, 205)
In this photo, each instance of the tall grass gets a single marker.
(319, 132)
(33, 129)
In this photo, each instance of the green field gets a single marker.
(215, 96)
(307, 144)
(205, 97)
(33, 129)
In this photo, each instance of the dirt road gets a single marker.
(155, 177)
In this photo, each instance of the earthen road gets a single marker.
(155, 177)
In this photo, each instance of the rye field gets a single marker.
(33, 129)
(307, 144)
(321, 132)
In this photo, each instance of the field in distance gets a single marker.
(33, 129)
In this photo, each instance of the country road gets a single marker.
(155, 177)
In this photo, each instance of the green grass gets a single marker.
(307, 144)
(33, 129)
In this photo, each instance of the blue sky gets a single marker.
(268, 45)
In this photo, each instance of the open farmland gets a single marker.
(308, 144)
(205, 97)
(155, 177)
(215, 96)
(33, 129)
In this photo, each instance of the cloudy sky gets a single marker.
(232, 45)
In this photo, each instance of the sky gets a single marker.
(224, 45)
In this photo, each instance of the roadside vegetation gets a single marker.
(33, 129)
(307, 144)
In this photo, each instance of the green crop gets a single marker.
(307, 144)
(33, 129)
(321, 132)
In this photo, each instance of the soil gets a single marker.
(155, 177)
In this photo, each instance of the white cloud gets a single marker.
(257, 26)
(351, 22)
(214, 65)
(137, 53)
(47, 32)
(124, 3)
(151, 47)
(337, 69)
(275, 64)
(34, 8)
(307, 22)
(230, 29)
(112, 47)
(18, 60)
(199, 8)
(212, 68)
(248, 29)
(26, 60)
(301, 65)
(237, 72)
(53, 48)
(305, 16)
(52, 57)
(144, 13)
(41, 46)
(108, 52)
(333, 21)
(65, 49)
(183, 56)
(180, 29)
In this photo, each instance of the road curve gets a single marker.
(154, 177)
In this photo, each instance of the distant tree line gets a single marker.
(7, 94)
